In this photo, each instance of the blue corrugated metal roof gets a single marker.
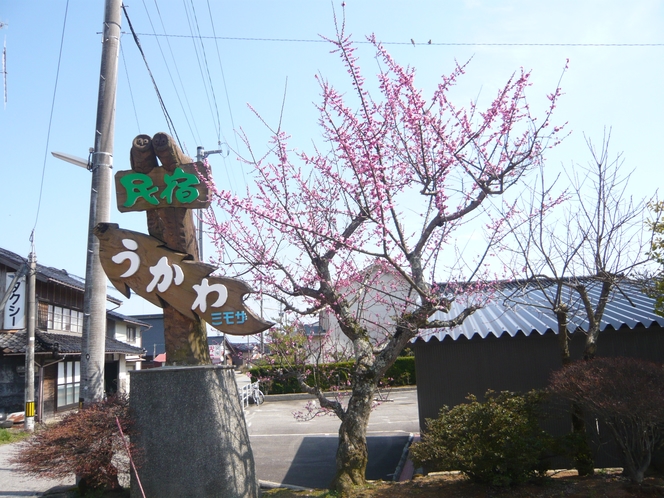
(526, 308)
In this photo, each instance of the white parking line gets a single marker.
(331, 434)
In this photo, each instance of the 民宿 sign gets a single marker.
(160, 188)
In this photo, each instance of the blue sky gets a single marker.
(268, 48)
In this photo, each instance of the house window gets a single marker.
(131, 334)
(60, 318)
(69, 381)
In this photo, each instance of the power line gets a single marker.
(228, 102)
(168, 69)
(439, 44)
(169, 121)
(207, 69)
(221, 66)
(131, 94)
(50, 120)
(198, 60)
(4, 70)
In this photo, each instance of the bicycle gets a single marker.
(256, 394)
(251, 393)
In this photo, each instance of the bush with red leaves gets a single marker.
(86, 443)
(628, 395)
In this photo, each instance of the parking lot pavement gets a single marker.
(303, 453)
(13, 484)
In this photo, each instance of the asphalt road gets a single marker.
(13, 484)
(303, 453)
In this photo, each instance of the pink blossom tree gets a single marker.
(396, 175)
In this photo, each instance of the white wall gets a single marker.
(127, 362)
(375, 303)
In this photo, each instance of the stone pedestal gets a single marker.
(191, 434)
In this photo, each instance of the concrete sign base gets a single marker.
(191, 434)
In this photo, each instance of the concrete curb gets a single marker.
(407, 470)
(276, 485)
(403, 461)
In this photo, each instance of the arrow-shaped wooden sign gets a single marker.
(145, 265)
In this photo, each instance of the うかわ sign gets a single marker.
(158, 274)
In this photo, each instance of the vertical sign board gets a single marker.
(216, 353)
(16, 304)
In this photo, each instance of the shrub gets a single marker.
(329, 376)
(84, 443)
(497, 442)
(625, 393)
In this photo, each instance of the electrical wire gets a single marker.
(198, 59)
(170, 75)
(207, 69)
(169, 121)
(131, 94)
(228, 103)
(50, 121)
(183, 91)
(440, 44)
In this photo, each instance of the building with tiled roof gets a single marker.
(58, 340)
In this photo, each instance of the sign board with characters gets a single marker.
(163, 267)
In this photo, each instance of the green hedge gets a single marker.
(277, 380)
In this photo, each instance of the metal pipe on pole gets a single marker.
(94, 305)
(201, 155)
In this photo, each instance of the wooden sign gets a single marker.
(184, 186)
(145, 265)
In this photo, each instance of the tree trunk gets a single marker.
(185, 338)
(581, 454)
(563, 335)
(584, 463)
(590, 349)
(352, 455)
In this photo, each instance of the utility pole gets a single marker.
(201, 155)
(94, 305)
(29, 423)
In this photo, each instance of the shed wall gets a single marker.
(448, 371)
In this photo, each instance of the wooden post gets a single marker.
(185, 337)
